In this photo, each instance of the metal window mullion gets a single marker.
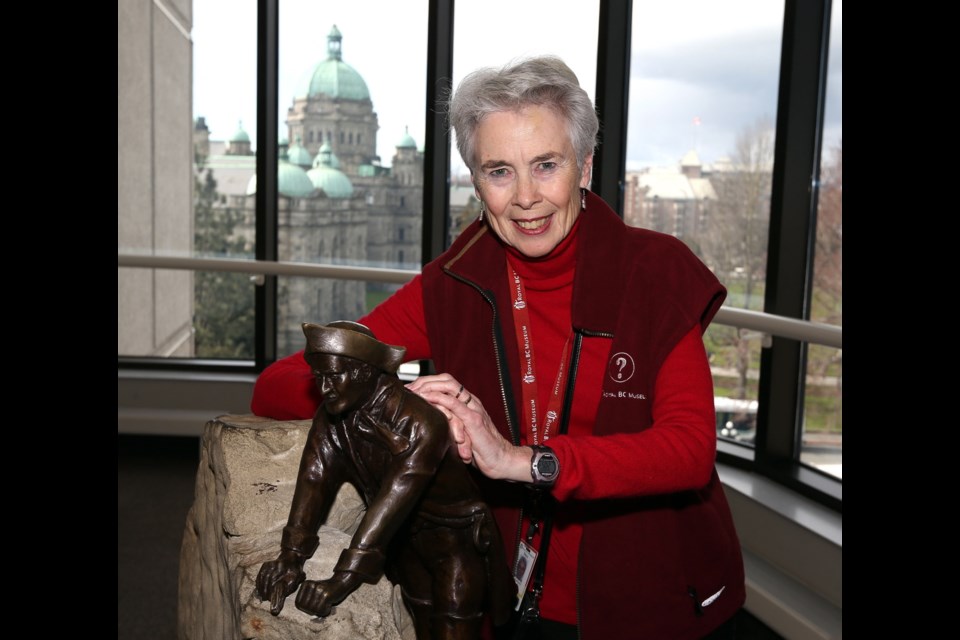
(792, 229)
(436, 155)
(265, 344)
(612, 98)
(436, 169)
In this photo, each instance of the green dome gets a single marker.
(326, 158)
(334, 77)
(299, 156)
(292, 181)
(324, 176)
(407, 141)
(240, 135)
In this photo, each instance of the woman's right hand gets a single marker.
(477, 438)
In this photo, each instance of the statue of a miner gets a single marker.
(425, 525)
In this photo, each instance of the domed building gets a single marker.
(297, 155)
(239, 144)
(327, 177)
(292, 181)
(333, 106)
(338, 204)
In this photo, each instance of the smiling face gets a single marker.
(339, 383)
(528, 178)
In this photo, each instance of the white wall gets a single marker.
(154, 174)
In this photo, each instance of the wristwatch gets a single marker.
(544, 466)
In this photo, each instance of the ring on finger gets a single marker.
(469, 398)
(459, 391)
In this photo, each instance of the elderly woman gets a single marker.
(574, 376)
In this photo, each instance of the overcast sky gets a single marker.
(703, 61)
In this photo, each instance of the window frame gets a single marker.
(797, 155)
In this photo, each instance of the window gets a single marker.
(703, 102)
(823, 391)
(339, 205)
(339, 73)
(172, 167)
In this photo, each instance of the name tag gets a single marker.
(523, 569)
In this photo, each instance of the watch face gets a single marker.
(547, 466)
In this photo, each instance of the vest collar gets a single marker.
(478, 257)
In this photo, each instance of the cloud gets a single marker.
(690, 58)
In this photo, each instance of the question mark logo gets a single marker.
(621, 367)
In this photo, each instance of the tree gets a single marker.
(825, 364)
(828, 259)
(735, 242)
(223, 302)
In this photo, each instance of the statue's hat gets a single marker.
(353, 340)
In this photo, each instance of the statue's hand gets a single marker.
(320, 597)
(278, 579)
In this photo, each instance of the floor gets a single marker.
(155, 479)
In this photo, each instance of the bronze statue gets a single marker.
(425, 526)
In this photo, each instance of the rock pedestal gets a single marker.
(245, 484)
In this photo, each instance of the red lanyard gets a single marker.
(528, 376)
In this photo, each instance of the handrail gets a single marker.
(765, 323)
(270, 268)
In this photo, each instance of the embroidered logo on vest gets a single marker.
(621, 367)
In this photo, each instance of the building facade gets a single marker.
(338, 203)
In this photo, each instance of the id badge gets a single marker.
(523, 569)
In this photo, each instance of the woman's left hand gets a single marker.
(477, 439)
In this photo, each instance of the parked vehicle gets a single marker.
(736, 418)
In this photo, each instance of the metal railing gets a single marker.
(764, 323)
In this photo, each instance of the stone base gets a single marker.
(245, 484)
